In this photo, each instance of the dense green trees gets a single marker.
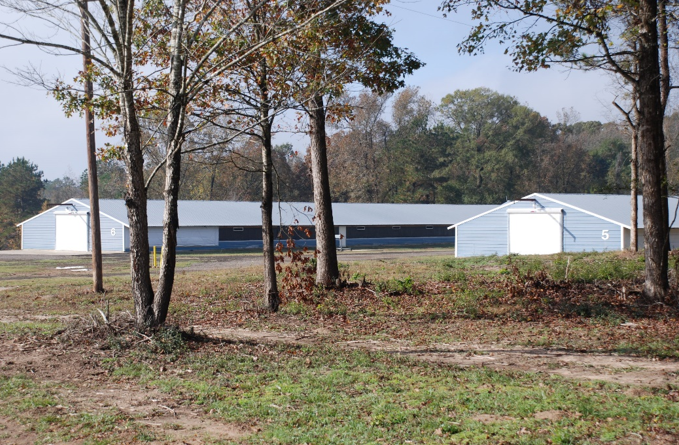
(478, 146)
(21, 184)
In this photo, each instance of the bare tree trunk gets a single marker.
(665, 89)
(135, 200)
(173, 159)
(271, 296)
(651, 147)
(136, 195)
(634, 202)
(327, 269)
(168, 256)
(93, 183)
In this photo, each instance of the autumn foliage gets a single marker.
(297, 268)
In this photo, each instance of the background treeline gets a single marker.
(475, 146)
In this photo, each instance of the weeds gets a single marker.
(396, 286)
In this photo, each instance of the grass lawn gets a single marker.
(68, 377)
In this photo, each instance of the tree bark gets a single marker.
(174, 140)
(651, 149)
(271, 295)
(634, 189)
(93, 183)
(135, 196)
(327, 269)
(168, 256)
(135, 200)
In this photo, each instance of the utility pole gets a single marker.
(93, 183)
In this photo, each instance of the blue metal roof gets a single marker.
(239, 213)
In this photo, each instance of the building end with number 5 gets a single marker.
(547, 223)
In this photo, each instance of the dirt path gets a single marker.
(77, 379)
(622, 369)
(81, 386)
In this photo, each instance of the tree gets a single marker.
(417, 150)
(181, 41)
(61, 189)
(347, 47)
(21, 184)
(111, 177)
(263, 92)
(357, 156)
(596, 35)
(494, 141)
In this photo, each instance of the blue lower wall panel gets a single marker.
(415, 241)
(448, 241)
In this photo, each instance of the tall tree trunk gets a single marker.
(665, 89)
(634, 189)
(327, 269)
(136, 194)
(135, 200)
(271, 296)
(168, 256)
(651, 148)
(93, 183)
(174, 138)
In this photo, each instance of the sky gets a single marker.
(33, 125)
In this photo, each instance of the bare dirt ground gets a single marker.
(78, 379)
(621, 369)
(85, 387)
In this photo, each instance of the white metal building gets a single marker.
(546, 223)
(234, 225)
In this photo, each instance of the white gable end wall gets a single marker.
(111, 234)
(483, 236)
(40, 231)
(583, 232)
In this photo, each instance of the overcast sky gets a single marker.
(33, 125)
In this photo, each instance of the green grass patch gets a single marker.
(46, 328)
(40, 409)
(325, 395)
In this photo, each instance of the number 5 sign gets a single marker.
(605, 235)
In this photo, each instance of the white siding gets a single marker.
(187, 236)
(126, 239)
(156, 237)
(40, 232)
(487, 235)
(111, 235)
